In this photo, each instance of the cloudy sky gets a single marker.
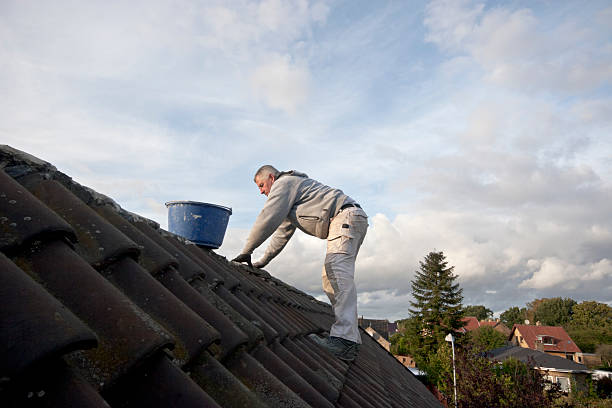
(481, 129)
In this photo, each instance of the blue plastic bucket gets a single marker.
(202, 223)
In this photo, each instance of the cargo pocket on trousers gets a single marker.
(340, 240)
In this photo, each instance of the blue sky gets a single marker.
(481, 129)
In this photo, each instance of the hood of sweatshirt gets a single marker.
(291, 173)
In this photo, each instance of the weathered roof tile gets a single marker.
(99, 243)
(33, 324)
(177, 325)
(24, 218)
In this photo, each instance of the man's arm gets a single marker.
(275, 211)
(280, 238)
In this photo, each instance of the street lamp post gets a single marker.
(449, 337)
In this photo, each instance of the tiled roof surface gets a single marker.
(563, 342)
(101, 307)
(539, 358)
(470, 323)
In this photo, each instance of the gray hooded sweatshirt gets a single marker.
(294, 201)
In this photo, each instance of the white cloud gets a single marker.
(553, 272)
(483, 133)
(281, 84)
(515, 49)
(319, 12)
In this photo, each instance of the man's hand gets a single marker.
(243, 258)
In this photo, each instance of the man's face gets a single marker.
(265, 184)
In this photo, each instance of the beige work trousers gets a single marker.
(346, 233)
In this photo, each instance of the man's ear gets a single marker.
(271, 176)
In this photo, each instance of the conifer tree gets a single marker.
(436, 310)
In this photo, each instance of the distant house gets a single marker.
(407, 361)
(469, 323)
(472, 323)
(383, 327)
(380, 339)
(557, 370)
(588, 359)
(553, 340)
(497, 325)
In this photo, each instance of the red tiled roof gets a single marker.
(563, 342)
(471, 323)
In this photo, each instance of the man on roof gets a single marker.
(296, 201)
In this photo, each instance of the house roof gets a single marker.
(562, 340)
(102, 307)
(470, 323)
(539, 358)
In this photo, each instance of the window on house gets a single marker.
(564, 383)
(550, 380)
(546, 340)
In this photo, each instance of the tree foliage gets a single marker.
(552, 311)
(513, 316)
(484, 383)
(399, 345)
(486, 338)
(591, 325)
(478, 311)
(437, 296)
(436, 310)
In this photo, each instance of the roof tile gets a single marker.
(223, 386)
(231, 336)
(177, 325)
(33, 324)
(289, 377)
(52, 384)
(24, 218)
(152, 257)
(99, 243)
(301, 367)
(159, 383)
(99, 304)
(265, 385)
(191, 333)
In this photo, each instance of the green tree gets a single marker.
(482, 383)
(591, 313)
(513, 316)
(591, 325)
(478, 311)
(552, 311)
(487, 338)
(399, 345)
(435, 312)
